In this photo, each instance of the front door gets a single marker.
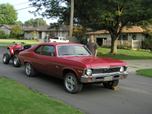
(45, 59)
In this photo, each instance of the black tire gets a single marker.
(111, 84)
(71, 83)
(16, 61)
(6, 58)
(29, 71)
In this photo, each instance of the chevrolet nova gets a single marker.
(73, 63)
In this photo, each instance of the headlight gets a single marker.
(88, 72)
(122, 69)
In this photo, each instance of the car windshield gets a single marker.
(73, 50)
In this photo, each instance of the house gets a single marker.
(42, 32)
(31, 32)
(130, 37)
(5, 28)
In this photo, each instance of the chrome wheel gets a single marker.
(28, 69)
(71, 83)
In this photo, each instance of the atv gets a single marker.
(12, 52)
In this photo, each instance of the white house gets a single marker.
(42, 32)
(6, 29)
(130, 37)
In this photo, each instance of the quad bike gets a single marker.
(12, 53)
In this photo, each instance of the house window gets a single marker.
(134, 37)
(123, 37)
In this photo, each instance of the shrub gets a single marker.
(147, 43)
(16, 32)
(3, 35)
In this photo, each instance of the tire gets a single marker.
(29, 71)
(111, 84)
(16, 61)
(71, 83)
(6, 58)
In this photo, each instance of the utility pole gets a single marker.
(71, 19)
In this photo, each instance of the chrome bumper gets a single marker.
(103, 77)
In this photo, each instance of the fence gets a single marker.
(134, 44)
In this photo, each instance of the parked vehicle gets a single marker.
(12, 52)
(74, 63)
(58, 39)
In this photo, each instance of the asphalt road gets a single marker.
(133, 97)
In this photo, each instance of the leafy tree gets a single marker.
(16, 31)
(19, 23)
(8, 14)
(35, 22)
(111, 15)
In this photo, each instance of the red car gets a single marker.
(74, 63)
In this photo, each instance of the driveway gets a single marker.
(133, 97)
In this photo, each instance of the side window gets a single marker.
(38, 50)
(48, 50)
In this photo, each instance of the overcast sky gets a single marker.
(23, 14)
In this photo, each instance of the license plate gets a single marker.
(108, 78)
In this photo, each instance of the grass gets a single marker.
(6, 42)
(125, 54)
(17, 99)
(145, 72)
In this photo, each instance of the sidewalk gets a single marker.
(134, 65)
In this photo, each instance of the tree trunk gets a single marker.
(71, 19)
(113, 44)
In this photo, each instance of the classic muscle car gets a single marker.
(73, 63)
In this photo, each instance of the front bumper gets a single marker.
(103, 77)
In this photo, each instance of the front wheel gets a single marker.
(29, 71)
(71, 83)
(6, 58)
(16, 61)
(111, 84)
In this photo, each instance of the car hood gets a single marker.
(94, 62)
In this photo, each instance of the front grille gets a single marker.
(106, 70)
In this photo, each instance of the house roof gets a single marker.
(31, 28)
(6, 26)
(126, 29)
(45, 28)
(133, 29)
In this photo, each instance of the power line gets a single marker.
(24, 8)
(21, 3)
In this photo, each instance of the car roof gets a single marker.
(60, 43)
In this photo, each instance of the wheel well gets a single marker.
(65, 71)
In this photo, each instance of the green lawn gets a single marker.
(125, 54)
(145, 72)
(17, 99)
(6, 42)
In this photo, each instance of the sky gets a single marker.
(23, 14)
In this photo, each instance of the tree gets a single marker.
(35, 22)
(16, 31)
(8, 14)
(111, 15)
(19, 23)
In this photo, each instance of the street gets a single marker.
(134, 95)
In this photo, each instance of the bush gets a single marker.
(16, 32)
(3, 35)
(147, 43)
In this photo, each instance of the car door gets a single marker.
(45, 59)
